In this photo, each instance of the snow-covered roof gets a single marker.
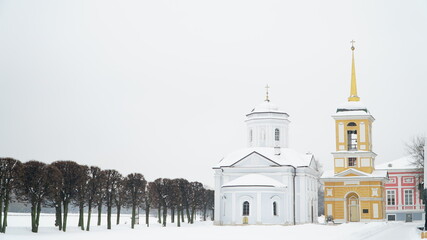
(257, 180)
(287, 157)
(267, 107)
(401, 163)
(352, 108)
(359, 174)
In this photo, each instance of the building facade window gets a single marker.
(352, 124)
(409, 197)
(391, 197)
(246, 208)
(277, 134)
(274, 208)
(391, 217)
(352, 162)
(250, 135)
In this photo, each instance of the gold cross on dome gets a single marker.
(266, 93)
(352, 44)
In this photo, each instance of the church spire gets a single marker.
(353, 91)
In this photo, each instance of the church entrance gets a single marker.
(353, 213)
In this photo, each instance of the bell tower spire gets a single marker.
(353, 90)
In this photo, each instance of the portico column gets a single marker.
(258, 207)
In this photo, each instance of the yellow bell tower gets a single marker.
(353, 124)
(354, 190)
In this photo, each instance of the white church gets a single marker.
(267, 182)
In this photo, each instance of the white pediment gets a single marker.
(351, 172)
(255, 159)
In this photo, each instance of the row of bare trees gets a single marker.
(65, 183)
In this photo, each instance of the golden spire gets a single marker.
(353, 91)
(266, 93)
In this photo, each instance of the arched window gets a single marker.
(250, 135)
(277, 134)
(274, 208)
(351, 124)
(246, 208)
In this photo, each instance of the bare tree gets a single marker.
(134, 185)
(71, 176)
(176, 201)
(161, 191)
(119, 198)
(112, 178)
(151, 199)
(36, 183)
(207, 201)
(184, 188)
(94, 190)
(101, 194)
(415, 148)
(81, 193)
(194, 198)
(10, 170)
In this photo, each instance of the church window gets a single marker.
(250, 135)
(352, 140)
(391, 197)
(409, 197)
(246, 208)
(351, 124)
(275, 208)
(352, 162)
(277, 134)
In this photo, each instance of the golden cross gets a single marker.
(266, 93)
(352, 44)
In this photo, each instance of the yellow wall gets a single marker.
(358, 166)
(367, 199)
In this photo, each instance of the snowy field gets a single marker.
(19, 229)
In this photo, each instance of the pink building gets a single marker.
(402, 191)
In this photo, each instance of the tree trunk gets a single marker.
(81, 216)
(212, 215)
(172, 214)
(58, 215)
(1, 213)
(108, 217)
(133, 216)
(89, 212)
(118, 214)
(39, 208)
(64, 222)
(99, 213)
(147, 215)
(192, 214)
(188, 214)
(182, 214)
(205, 209)
(33, 217)
(159, 214)
(178, 219)
(165, 214)
(6, 209)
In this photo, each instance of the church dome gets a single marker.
(266, 107)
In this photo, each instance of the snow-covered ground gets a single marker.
(19, 229)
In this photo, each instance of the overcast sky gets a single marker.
(162, 87)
